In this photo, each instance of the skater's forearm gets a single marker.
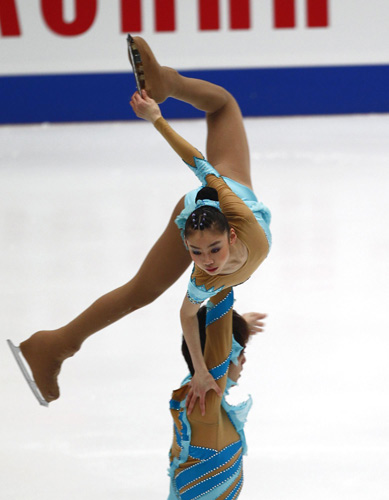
(147, 109)
(182, 147)
(202, 381)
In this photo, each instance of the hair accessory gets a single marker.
(188, 212)
(202, 220)
(206, 203)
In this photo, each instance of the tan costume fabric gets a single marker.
(239, 216)
(213, 432)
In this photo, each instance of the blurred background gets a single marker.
(65, 60)
(86, 189)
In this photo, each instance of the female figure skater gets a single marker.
(206, 454)
(222, 257)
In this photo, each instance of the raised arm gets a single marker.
(146, 108)
(231, 205)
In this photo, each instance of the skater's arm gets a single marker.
(182, 147)
(230, 203)
(146, 108)
(217, 352)
(244, 222)
(202, 381)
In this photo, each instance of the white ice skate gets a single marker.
(26, 373)
(136, 63)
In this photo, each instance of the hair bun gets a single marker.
(207, 193)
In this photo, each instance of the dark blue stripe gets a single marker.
(259, 91)
(211, 482)
(219, 371)
(201, 453)
(198, 470)
(175, 405)
(220, 309)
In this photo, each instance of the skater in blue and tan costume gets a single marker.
(207, 451)
(240, 249)
(227, 239)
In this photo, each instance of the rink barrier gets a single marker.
(259, 91)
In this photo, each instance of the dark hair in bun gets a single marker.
(206, 216)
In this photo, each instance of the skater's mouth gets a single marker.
(211, 269)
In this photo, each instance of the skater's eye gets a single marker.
(196, 252)
(215, 250)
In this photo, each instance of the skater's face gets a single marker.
(235, 371)
(210, 250)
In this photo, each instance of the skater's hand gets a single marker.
(254, 321)
(200, 384)
(145, 107)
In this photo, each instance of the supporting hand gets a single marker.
(144, 107)
(200, 384)
(255, 322)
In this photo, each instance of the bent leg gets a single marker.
(227, 146)
(45, 351)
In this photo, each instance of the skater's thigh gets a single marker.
(164, 264)
(227, 145)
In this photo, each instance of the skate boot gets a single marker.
(159, 81)
(40, 358)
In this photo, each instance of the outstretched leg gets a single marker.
(227, 146)
(165, 263)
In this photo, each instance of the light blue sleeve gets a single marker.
(198, 294)
(202, 169)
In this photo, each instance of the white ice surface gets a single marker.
(79, 207)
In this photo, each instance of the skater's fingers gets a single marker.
(138, 98)
(190, 402)
(256, 316)
(218, 391)
(147, 98)
(202, 404)
(134, 96)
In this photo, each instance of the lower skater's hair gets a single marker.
(240, 329)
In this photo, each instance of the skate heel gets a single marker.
(24, 368)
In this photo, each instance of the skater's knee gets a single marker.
(221, 102)
(142, 294)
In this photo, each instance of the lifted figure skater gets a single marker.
(225, 230)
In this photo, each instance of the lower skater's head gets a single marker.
(241, 334)
(208, 235)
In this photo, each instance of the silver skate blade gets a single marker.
(30, 381)
(136, 63)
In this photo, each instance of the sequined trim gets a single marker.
(192, 300)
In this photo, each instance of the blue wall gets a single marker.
(260, 92)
